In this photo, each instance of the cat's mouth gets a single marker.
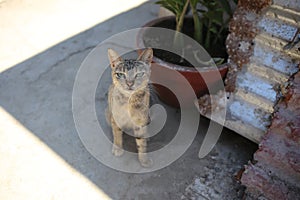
(130, 88)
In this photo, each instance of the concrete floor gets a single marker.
(41, 155)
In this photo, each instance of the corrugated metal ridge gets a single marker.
(266, 72)
(288, 4)
(284, 14)
(242, 128)
(276, 44)
(280, 22)
(275, 28)
(249, 113)
(260, 102)
(266, 56)
(256, 85)
(239, 126)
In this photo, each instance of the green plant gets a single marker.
(215, 18)
(179, 8)
(210, 21)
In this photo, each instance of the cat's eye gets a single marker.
(120, 75)
(140, 74)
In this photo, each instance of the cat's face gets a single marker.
(130, 75)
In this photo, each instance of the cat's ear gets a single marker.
(114, 58)
(146, 56)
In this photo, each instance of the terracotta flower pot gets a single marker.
(168, 72)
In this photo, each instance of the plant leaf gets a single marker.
(218, 61)
(194, 3)
(213, 29)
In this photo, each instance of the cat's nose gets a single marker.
(130, 83)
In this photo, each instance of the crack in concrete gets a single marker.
(59, 62)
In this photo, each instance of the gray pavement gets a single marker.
(42, 156)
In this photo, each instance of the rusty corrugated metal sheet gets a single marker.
(261, 63)
(275, 174)
(263, 90)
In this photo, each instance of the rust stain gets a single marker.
(254, 5)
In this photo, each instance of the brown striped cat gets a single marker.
(128, 101)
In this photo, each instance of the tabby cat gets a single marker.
(128, 101)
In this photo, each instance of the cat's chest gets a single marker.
(120, 112)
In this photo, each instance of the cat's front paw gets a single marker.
(146, 161)
(117, 151)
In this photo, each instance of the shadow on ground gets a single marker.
(38, 93)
